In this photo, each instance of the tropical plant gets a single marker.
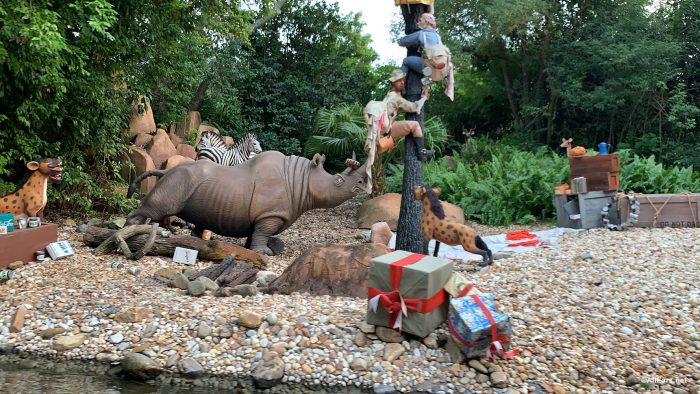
(341, 132)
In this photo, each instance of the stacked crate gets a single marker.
(602, 172)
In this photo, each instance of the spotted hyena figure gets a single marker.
(437, 226)
(29, 199)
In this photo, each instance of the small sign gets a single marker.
(60, 249)
(185, 256)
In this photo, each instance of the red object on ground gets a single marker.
(522, 234)
(534, 242)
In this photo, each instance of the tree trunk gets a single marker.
(506, 80)
(207, 250)
(409, 236)
(553, 98)
(199, 95)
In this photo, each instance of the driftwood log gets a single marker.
(228, 273)
(162, 246)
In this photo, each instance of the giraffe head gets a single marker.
(49, 166)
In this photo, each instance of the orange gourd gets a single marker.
(577, 151)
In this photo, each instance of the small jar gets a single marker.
(40, 255)
(117, 264)
(21, 223)
(206, 235)
(33, 222)
(134, 270)
(6, 274)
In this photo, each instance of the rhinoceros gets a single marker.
(256, 199)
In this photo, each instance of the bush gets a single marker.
(498, 184)
(645, 175)
(495, 183)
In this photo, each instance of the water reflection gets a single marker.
(15, 380)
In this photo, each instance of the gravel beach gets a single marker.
(599, 312)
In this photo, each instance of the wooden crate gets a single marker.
(598, 163)
(602, 172)
(22, 244)
(665, 210)
(582, 210)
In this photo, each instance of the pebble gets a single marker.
(577, 336)
(116, 338)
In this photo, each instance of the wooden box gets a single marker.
(22, 244)
(665, 210)
(582, 210)
(602, 172)
(598, 163)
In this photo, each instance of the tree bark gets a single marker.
(199, 95)
(207, 250)
(409, 236)
(506, 81)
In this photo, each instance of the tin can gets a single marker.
(33, 222)
(166, 233)
(6, 274)
(40, 255)
(134, 270)
(206, 235)
(117, 264)
(21, 223)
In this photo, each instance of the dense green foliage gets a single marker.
(534, 71)
(495, 183)
(499, 184)
(307, 58)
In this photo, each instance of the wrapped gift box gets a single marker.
(7, 220)
(471, 327)
(409, 285)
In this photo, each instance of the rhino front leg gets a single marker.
(264, 229)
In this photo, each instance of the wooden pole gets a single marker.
(409, 236)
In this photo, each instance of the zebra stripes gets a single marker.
(240, 151)
(210, 139)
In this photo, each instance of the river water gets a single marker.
(14, 379)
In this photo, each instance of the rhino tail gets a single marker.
(135, 184)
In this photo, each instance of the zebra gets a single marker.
(210, 139)
(240, 151)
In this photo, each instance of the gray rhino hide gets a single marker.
(257, 199)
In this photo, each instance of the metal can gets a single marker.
(166, 233)
(33, 222)
(6, 274)
(134, 270)
(117, 264)
(21, 223)
(206, 235)
(40, 255)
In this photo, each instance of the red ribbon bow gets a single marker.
(393, 303)
(495, 347)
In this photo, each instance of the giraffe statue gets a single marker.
(437, 226)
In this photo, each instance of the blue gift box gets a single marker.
(7, 220)
(470, 326)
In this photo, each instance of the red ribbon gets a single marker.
(493, 347)
(391, 300)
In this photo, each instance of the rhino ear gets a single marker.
(318, 160)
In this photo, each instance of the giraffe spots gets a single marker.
(14, 201)
(449, 227)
